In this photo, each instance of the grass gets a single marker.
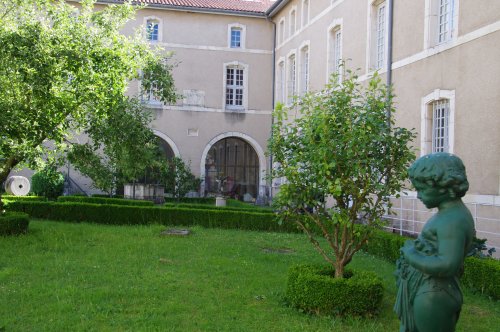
(80, 277)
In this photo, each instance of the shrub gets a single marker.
(102, 200)
(48, 182)
(314, 289)
(14, 223)
(482, 275)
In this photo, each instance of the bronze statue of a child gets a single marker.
(429, 298)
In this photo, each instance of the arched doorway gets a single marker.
(234, 160)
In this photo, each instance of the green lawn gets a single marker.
(75, 277)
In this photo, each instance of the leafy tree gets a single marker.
(63, 71)
(120, 150)
(48, 182)
(341, 148)
(179, 180)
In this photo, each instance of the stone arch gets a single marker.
(248, 139)
(170, 142)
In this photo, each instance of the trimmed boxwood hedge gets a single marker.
(482, 275)
(385, 245)
(138, 215)
(193, 200)
(102, 200)
(23, 198)
(14, 223)
(313, 289)
(213, 207)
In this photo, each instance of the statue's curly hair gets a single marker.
(440, 170)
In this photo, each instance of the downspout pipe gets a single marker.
(390, 29)
(273, 101)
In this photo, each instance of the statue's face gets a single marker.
(431, 196)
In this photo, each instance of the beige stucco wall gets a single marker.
(467, 65)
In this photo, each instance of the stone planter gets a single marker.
(220, 201)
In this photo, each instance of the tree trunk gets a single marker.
(339, 267)
(5, 169)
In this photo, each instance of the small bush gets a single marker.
(482, 275)
(313, 289)
(14, 223)
(102, 200)
(107, 196)
(48, 183)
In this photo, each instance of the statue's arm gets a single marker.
(448, 259)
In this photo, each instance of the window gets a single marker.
(150, 95)
(304, 70)
(380, 35)
(335, 51)
(440, 22)
(235, 85)
(305, 12)
(235, 38)
(292, 78)
(282, 31)
(153, 30)
(236, 35)
(445, 20)
(280, 82)
(292, 21)
(437, 128)
(440, 125)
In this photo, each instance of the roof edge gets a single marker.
(276, 7)
(190, 9)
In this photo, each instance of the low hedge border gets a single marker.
(102, 200)
(213, 207)
(482, 275)
(313, 289)
(138, 215)
(193, 200)
(14, 223)
(23, 198)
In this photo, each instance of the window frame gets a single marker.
(432, 23)
(160, 28)
(334, 49)
(306, 9)
(305, 68)
(244, 87)
(292, 24)
(428, 122)
(242, 29)
(291, 76)
(374, 60)
(281, 80)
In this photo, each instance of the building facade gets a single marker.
(236, 59)
(442, 59)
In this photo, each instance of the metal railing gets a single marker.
(409, 216)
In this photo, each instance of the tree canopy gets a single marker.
(340, 161)
(64, 71)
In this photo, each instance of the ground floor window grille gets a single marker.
(440, 125)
